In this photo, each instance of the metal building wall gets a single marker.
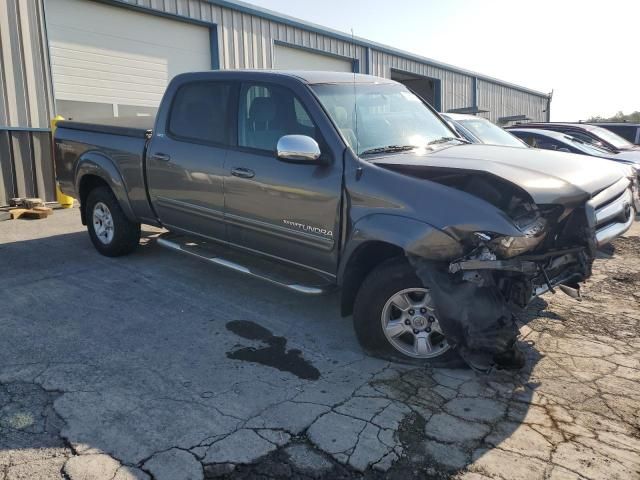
(245, 40)
(26, 167)
(456, 87)
(503, 101)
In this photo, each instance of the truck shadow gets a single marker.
(130, 356)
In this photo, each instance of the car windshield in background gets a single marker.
(490, 133)
(588, 148)
(614, 139)
(385, 118)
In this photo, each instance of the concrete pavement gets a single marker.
(158, 366)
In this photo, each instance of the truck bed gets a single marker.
(117, 146)
(129, 127)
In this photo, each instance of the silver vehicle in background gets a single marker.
(629, 162)
(480, 130)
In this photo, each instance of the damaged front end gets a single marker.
(479, 294)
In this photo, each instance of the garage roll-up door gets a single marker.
(114, 61)
(288, 58)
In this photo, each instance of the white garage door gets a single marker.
(113, 61)
(287, 58)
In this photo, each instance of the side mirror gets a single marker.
(298, 148)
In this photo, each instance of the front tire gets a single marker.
(111, 232)
(394, 318)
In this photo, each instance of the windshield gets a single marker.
(614, 139)
(387, 118)
(588, 148)
(490, 133)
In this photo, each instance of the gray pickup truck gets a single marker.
(318, 180)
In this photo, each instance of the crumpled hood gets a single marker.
(549, 177)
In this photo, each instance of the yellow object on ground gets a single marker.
(65, 201)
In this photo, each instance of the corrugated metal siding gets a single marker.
(502, 101)
(246, 41)
(25, 92)
(26, 167)
(456, 88)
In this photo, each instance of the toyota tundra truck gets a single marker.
(318, 181)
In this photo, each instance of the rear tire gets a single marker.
(418, 341)
(111, 232)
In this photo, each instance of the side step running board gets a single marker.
(291, 278)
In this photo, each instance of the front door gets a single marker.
(287, 210)
(185, 166)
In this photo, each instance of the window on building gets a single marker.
(130, 111)
(94, 111)
(82, 111)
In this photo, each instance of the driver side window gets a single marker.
(267, 113)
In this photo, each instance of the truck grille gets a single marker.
(611, 212)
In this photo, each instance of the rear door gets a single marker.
(287, 210)
(185, 164)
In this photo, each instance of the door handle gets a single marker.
(161, 157)
(243, 173)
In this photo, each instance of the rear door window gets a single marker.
(200, 112)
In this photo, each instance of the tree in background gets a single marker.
(618, 117)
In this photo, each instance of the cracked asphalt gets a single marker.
(156, 366)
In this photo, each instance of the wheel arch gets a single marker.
(362, 261)
(95, 169)
(377, 238)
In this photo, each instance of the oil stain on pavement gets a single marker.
(273, 354)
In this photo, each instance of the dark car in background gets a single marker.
(588, 133)
(480, 130)
(628, 131)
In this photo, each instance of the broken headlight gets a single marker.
(508, 247)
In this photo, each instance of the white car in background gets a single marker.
(480, 130)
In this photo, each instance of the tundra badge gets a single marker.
(308, 228)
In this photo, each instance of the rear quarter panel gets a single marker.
(117, 159)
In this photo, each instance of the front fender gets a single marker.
(412, 236)
(100, 165)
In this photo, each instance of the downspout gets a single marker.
(474, 93)
(549, 97)
(368, 61)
